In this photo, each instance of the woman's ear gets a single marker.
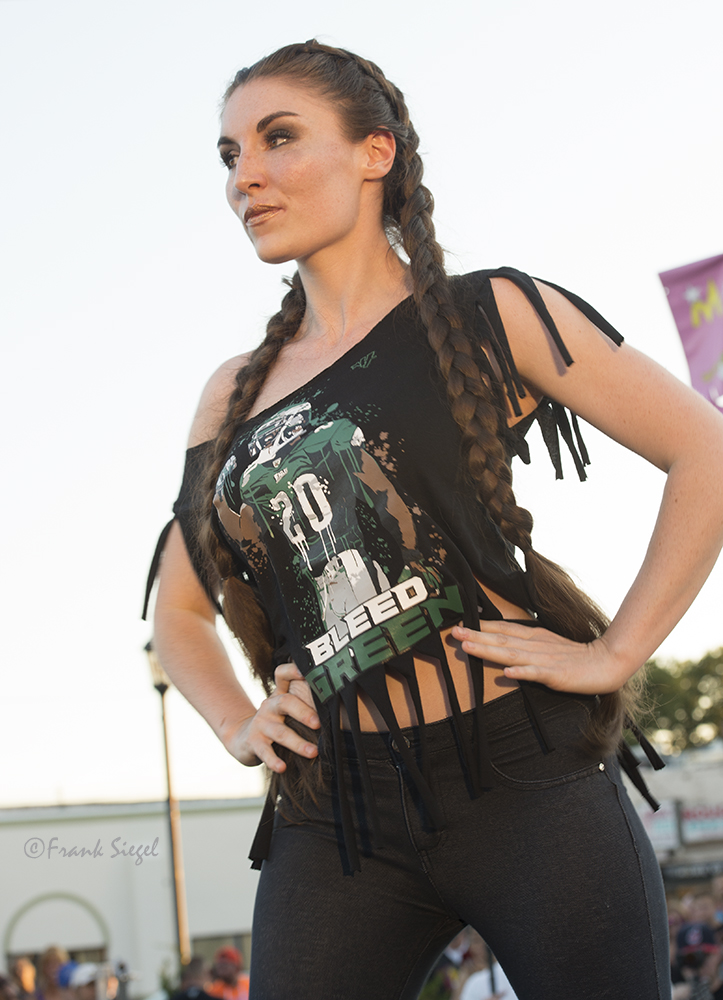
(380, 149)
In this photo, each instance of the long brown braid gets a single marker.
(368, 102)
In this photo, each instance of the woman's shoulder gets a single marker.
(517, 307)
(503, 284)
(505, 280)
(214, 399)
(473, 281)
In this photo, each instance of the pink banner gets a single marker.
(695, 296)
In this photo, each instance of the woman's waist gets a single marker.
(502, 718)
(434, 693)
(433, 682)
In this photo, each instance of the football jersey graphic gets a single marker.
(314, 500)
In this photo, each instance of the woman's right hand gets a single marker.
(252, 742)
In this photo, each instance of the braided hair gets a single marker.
(368, 102)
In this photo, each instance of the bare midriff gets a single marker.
(432, 689)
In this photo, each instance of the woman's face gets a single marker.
(299, 186)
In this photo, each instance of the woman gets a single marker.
(356, 502)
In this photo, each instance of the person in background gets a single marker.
(123, 978)
(8, 989)
(23, 974)
(473, 960)
(716, 888)
(193, 979)
(65, 973)
(49, 966)
(445, 975)
(703, 910)
(699, 960)
(89, 981)
(84, 981)
(676, 919)
(481, 976)
(230, 982)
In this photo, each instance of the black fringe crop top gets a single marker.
(348, 510)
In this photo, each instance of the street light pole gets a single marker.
(161, 682)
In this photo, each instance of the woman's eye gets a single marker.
(278, 137)
(229, 158)
(273, 139)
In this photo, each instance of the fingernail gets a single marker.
(314, 721)
(311, 750)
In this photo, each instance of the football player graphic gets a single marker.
(305, 496)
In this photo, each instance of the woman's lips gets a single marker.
(260, 213)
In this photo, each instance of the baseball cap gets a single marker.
(83, 974)
(230, 954)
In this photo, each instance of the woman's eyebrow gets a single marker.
(225, 141)
(276, 114)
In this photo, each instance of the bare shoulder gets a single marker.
(619, 390)
(524, 326)
(214, 400)
(537, 357)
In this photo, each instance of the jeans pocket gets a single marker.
(519, 760)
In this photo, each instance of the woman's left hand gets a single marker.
(536, 654)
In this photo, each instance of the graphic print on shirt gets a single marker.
(313, 504)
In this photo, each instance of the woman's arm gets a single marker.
(192, 653)
(642, 406)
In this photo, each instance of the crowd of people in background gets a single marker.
(466, 970)
(54, 975)
(695, 922)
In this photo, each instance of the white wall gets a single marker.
(111, 899)
(220, 884)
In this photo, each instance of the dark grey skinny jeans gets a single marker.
(552, 867)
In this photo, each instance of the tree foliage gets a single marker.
(684, 702)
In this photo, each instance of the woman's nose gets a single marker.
(248, 174)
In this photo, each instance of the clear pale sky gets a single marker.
(579, 142)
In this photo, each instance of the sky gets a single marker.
(578, 142)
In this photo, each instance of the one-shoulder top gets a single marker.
(348, 508)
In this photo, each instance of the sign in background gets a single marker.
(695, 296)
(662, 826)
(676, 824)
(700, 824)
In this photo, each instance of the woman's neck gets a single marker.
(347, 295)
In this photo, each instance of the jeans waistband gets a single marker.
(498, 714)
